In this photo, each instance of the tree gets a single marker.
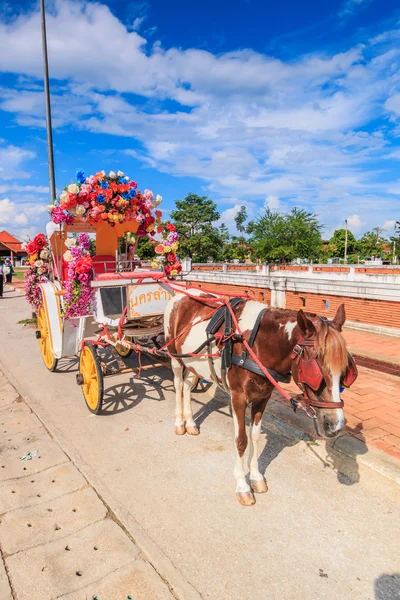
(284, 237)
(145, 249)
(371, 244)
(338, 239)
(241, 219)
(194, 218)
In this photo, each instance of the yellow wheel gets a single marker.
(91, 378)
(43, 335)
(123, 350)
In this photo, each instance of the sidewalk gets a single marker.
(57, 538)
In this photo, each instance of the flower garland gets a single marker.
(78, 299)
(39, 269)
(113, 198)
(166, 251)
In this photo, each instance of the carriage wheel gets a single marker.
(123, 350)
(92, 378)
(43, 335)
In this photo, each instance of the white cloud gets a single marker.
(13, 214)
(392, 104)
(137, 23)
(11, 159)
(272, 202)
(354, 223)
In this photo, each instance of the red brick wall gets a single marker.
(359, 310)
(260, 294)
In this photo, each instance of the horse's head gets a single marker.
(321, 367)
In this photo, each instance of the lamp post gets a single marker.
(49, 132)
(345, 245)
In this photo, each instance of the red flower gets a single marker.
(31, 248)
(171, 257)
(159, 229)
(84, 264)
(158, 214)
(167, 269)
(40, 241)
(171, 227)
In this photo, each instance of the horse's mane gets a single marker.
(331, 348)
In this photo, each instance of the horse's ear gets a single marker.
(306, 327)
(340, 318)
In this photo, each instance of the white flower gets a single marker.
(50, 207)
(64, 196)
(73, 189)
(44, 254)
(38, 263)
(126, 178)
(70, 242)
(158, 200)
(120, 173)
(68, 256)
(103, 173)
(80, 210)
(112, 175)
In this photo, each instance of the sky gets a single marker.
(250, 102)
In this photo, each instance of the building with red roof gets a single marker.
(10, 246)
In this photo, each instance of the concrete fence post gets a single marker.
(265, 269)
(224, 267)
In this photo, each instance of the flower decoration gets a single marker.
(38, 270)
(166, 251)
(113, 198)
(78, 299)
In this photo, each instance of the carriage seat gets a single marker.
(104, 264)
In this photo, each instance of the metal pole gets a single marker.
(50, 155)
(345, 245)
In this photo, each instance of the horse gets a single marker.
(310, 348)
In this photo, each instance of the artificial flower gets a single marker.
(171, 227)
(73, 189)
(67, 256)
(69, 242)
(171, 257)
(154, 265)
(38, 263)
(120, 174)
(159, 249)
(167, 249)
(64, 196)
(112, 175)
(80, 210)
(158, 200)
(44, 254)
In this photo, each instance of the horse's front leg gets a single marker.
(243, 491)
(257, 481)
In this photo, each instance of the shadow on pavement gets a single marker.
(336, 461)
(387, 587)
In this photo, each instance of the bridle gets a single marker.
(307, 372)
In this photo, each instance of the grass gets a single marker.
(31, 322)
(19, 273)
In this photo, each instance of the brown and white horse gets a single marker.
(280, 331)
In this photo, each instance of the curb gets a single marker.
(178, 585)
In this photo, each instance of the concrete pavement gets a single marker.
(327, 528)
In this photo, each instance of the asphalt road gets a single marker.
(316, 534)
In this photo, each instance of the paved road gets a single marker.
(317, 534)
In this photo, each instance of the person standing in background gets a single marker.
(9, 270)
(1, 278)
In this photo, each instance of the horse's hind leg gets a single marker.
(257, 481)
(177, 370)
(190, 425)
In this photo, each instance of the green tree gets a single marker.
(372, 244)
(284, 237)
(338, 239)
(241, 219)
(194, 218)
(145, 249)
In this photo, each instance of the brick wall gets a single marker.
(358, 310)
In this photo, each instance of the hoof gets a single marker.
(180, 430)
(246, 498)
(192, 430)
(259, 486)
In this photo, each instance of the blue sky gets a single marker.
(256, 103)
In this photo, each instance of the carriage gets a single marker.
(88, 302)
